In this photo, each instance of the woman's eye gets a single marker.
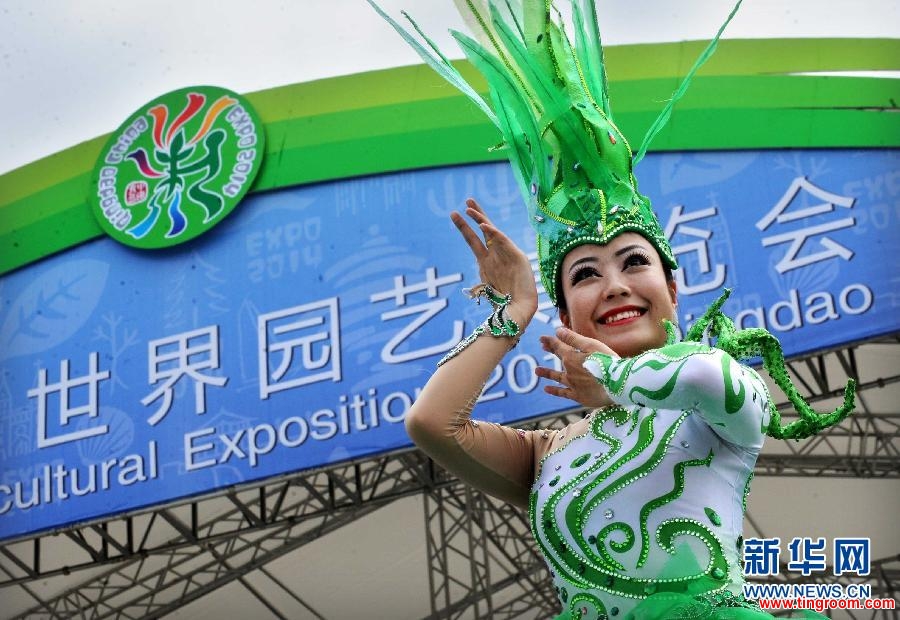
(636, 259)
(583, 273)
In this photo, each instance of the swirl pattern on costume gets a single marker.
(649, 501)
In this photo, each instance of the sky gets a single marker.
(73, 70)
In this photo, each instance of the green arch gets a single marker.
(767, 93)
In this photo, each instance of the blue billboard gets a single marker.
(298, 333)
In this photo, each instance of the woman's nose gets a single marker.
(615, 286)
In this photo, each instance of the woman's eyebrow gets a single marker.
(628, 248)
(593, 259)
(581, 261)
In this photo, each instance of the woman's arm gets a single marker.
(729, 396)
(495, 459)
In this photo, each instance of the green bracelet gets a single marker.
(498, 324)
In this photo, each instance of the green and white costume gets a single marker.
(650, 500)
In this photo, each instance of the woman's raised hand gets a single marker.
(500, 261)
(575, 382)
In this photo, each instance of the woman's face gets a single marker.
(618, 294)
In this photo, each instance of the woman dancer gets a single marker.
(638, 507)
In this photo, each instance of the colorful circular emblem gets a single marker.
(177, 167)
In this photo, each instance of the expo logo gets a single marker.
(177, 167)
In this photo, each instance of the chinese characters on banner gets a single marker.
(301, 331)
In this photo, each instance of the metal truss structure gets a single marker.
(481, 561)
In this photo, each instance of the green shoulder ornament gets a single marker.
(756, 341)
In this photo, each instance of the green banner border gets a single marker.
(753, 94)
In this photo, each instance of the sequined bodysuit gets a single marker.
(649, 498)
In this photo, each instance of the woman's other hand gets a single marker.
(500, 262)
(575, 382)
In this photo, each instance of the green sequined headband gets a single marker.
(549, 99)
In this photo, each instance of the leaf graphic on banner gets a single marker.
(678, 171)
(53, 307)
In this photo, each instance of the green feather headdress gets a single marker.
(549, 98)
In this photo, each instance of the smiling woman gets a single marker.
(618, 294)
(638, 507)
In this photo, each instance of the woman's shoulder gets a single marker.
(550, 440)
(684, 349)
(700, 354)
